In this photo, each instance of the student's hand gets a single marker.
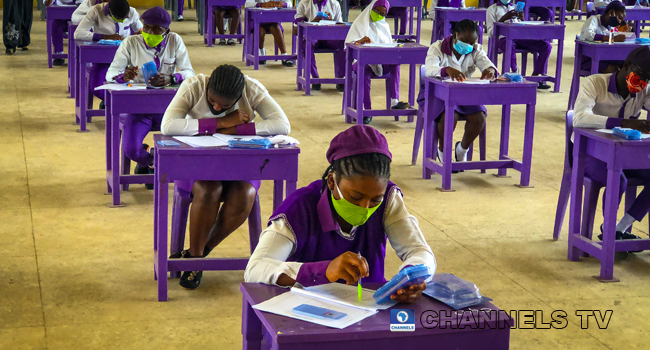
(349, 267)
(234, 118)
(509, 15)
(268, 5)
(112, 37)
(49, 2)
(316, 19)
(161, 80)
(455, 74)
(329, 15)
(619, 38)
(130, 73)
(636, 124)
(364, 40)
(409, 295)
(487, 74)
(520, 15)
(233, 131)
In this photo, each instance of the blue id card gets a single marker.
(318, 312)
(168, 143)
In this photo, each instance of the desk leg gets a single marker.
(109, 149)
(256, 45)
(83, 95)
(505, 138)
(506, 54)
(637, 28)
(528, 146)
(307, 67)
(278, 193)
(347, 92)
(115, 158)
(361, 76)
(161, 189)
(419, 27)
(251, 328)
(609, 230)
(412, 85)
(448, 148)
(291, 186)
(558, 66)
(577, 181)
(562, 15)
(48, 35)
(300, 60)
(575, 81)
(428, 147)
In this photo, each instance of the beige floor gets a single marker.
(77, 274)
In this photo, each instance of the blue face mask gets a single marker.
(463, 48)
(505, 2)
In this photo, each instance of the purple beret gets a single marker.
(359, 139)
(614, 5)
(640, 57)
(383, 3)
(157, 16)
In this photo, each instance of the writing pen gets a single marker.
(359, 282)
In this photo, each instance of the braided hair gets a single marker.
(119, 8)
(227, 81)
(365, 164)
(465, 25)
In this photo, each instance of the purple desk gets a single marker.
(72, 82)
(253, 18)
(312, 32)
(134, 102)
(208, 18)
(185, 162)
(88, 52)
(619, 154)
(537, 32)
(444, 16)
(458, 94)
(56, 13)
(597, 52)
(409, 53)
(547, 3)
(411, 5)
(373, 332)
(637, 15)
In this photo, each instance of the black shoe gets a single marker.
(222, 42)
(402, 41)
(287, 63)
(10, 51)
(186, 252)
(367, 120)
(315, 87)
(621, 236)
(542, 86)
(102, 105)
(58, 62)
(340, 87)
(262, 62)
(401, 105)
(191, 279)
(24, 48)
(144, 171)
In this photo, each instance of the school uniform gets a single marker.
(258, 3)
(599, 105)
(305, 12)
(544, 13)
(98, 22)
(444, 3)
(83, 9)
(595, 29)
(170, 56)
(59, 26)
(541, 47)
(189, 113)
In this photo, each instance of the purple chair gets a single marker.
(126, 162)
(349, 119)
(210, 31)
(493, 54)
(419, 128)
(182, 200)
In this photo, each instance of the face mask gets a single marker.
(613, 21)
(505, 2)
(117, 20)
(152, 40)
(634, 83)
(376, 17)
(352, 214)
(217, 112)
(463, 48)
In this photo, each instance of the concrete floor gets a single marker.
(77, 274)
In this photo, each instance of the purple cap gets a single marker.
(359, 139)
(383, 3)
(614, 5)
(640, 57)
(156, 16)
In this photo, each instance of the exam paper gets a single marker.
(470, 80)
(343, 294)
(610, 131)
(532, 23)
(201, 141)
(121, 87)
(381, 45)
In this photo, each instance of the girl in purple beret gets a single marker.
(320, 231)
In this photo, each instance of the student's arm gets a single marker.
(87, 23)
(136, 25)
(588, 31)
(336, 12)
(433, 64)
(183, 64)
(251, 4)
(81, 11)
(432, 6)
(274, 121)
(482, 61)
(490, 18)
(174, 122)
(120, 62)
(288, 4)
(301, 15)
(405, 235)
(584, 116)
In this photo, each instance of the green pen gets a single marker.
(359, 283)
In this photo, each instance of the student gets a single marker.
(319, 231)
(371, 27)
(597, 28)
(59, 26)
(274, 28)
(235, 15)
(225, 102)
(544, 13)
(444, 3)
(611, 100)
(504, 10)
(402, 13)
(83, 9)
(16, 25)
(115, 21)
(181, 6)
(167, 50)
(306, 11)
(457, 57)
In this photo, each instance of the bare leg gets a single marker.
(203, 213)
(278, 37)
(612, 68)
(234, 21)
(262, 34)
(238, 199)
(218, 19)
(441, 129)
(473, 127)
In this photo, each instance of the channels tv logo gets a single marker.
(402, 320)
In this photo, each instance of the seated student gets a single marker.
(235, 15)
(544, 13)
(597, 28)
(371, 27)
(115, 21)
(444, 3)
(59, 26)
(83, 9)
(167, 50)
(225, 102)
(307, 11)
(402, 13)
(319, 231)
(457, 57)
(610, 100)
(274, 28)
(504, 10)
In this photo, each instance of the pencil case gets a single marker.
(520, 6)
(513, 77)
(321, 14)
(642, 41)
(255, 143)
(109, 42)
(408, 276)
(626, 133)
(454, 291)
(149, 70)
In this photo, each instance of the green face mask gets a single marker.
(117, 20)
(352, 214)
(152, 40)
(376, 17)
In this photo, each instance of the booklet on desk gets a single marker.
(334, 296)
(220, 140)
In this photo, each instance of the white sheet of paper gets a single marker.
(610, 131)
(381, 45)
(121, 87)
(343, 294)
(470, 80)
(201, 141)
(532, 23)
(283, 305)
(225, 138)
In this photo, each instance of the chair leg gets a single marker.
(592, 192)
(562, 201)
(524, 63)
(255, 224)
(482, 140)
(630, 196)
(419, 128)
(126, 165)
(180, 211)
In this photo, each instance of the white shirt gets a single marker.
(63, 2)
(494, 14)
(378, 32)
(307, 9)
(253, 3)
(596, 103)
(134, 52)
(602, 3)
(83, 9)
(593, 26)
(434, 4)
(100, 21)
(277, 242)
(190, 104)
(437, 60)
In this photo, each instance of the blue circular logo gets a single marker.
(402, 316)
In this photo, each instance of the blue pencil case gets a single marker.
(321, 14)
(110, 42)
(520, 6)
(626, 133)
(408, 276)
(255, 143)
(149, 70)
(642, 41)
